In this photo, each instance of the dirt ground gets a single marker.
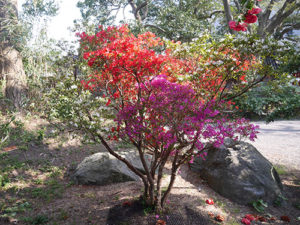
(36, 165)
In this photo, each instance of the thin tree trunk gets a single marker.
(158, 205)
(172, 180)
(228, 14)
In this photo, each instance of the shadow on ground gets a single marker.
(135, 214)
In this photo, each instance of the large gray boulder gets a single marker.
(103, 168)
(239, 172)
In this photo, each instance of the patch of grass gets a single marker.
(147, 209)
(53, 189)
(3, 155)
(40, 135)
(236, 210)
(281, 170)
(11, 211)
(279, 200)
(4, 180)
(23, 147)
(46, 167)
(12, 189)
(222, 205)
(92, 195)
(233, 222)
(7, 165)
(5, 131)
(12, 131)
(297, 205)
(37, 220)
(63, 215)
(10, 164)
(38, 181)
(56, 172)
(71, 183)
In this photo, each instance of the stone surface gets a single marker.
(103, 168)
(239, 172)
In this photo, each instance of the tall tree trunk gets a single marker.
(12, 71)
(228, 14)
(11, 65)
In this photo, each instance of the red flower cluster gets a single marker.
(238, 26)
(249, 17)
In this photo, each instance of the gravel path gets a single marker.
(280, 142)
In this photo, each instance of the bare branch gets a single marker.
(254, 83)
(277, 20)
(287, 29)
(281, 10)
(138, 9)
(136, 13)
(268, 11)
(144, 4)
(228, 14)
(237, 4)
(156, 27)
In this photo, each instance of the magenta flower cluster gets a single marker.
(168, 117)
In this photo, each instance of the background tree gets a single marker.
(185, 19)
(175, 20)
(11, 65)
(15, 33)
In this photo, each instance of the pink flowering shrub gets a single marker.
(172, 115)
(171, 123)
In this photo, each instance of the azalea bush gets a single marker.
(152, 95)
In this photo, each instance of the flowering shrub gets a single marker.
(152, 108)
(158, 101)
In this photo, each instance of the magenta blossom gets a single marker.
(168, 115)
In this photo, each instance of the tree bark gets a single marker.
(11, 65)
(228, 14)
